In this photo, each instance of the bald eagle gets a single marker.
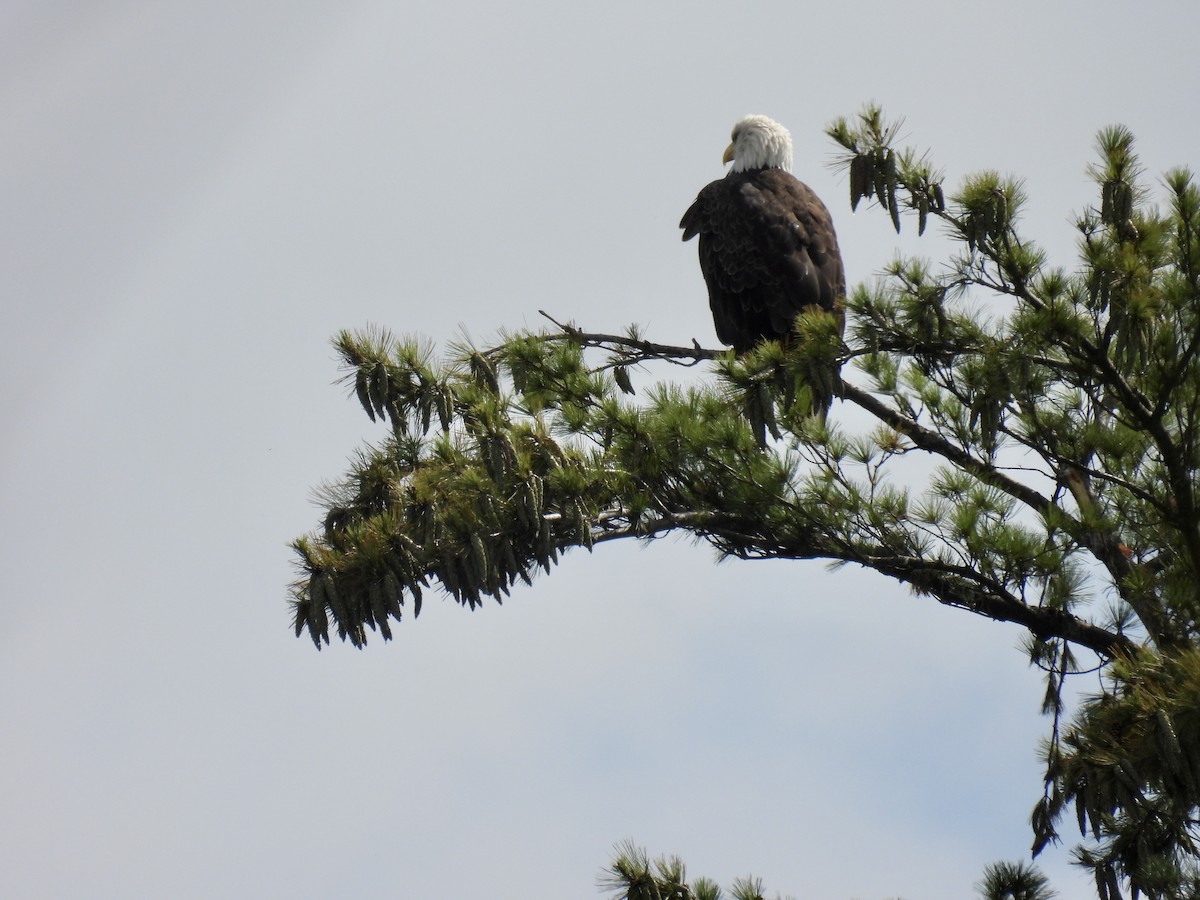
(768, 250)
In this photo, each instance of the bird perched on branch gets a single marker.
(768, 250)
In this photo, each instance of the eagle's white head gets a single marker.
(759, 143)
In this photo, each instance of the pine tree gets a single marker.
(1033, 459)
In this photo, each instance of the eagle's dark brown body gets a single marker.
(768, 251)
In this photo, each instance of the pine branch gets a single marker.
(933, 442)
(1148, 417)
(634, 348)
(958, 586)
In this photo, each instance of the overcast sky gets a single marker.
(196, 197)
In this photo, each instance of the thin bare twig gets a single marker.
(623, 343)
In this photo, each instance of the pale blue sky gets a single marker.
(196, 197)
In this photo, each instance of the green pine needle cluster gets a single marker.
(632, 876)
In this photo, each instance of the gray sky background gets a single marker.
(195, 197)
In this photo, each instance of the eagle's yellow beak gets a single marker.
(728, 157)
